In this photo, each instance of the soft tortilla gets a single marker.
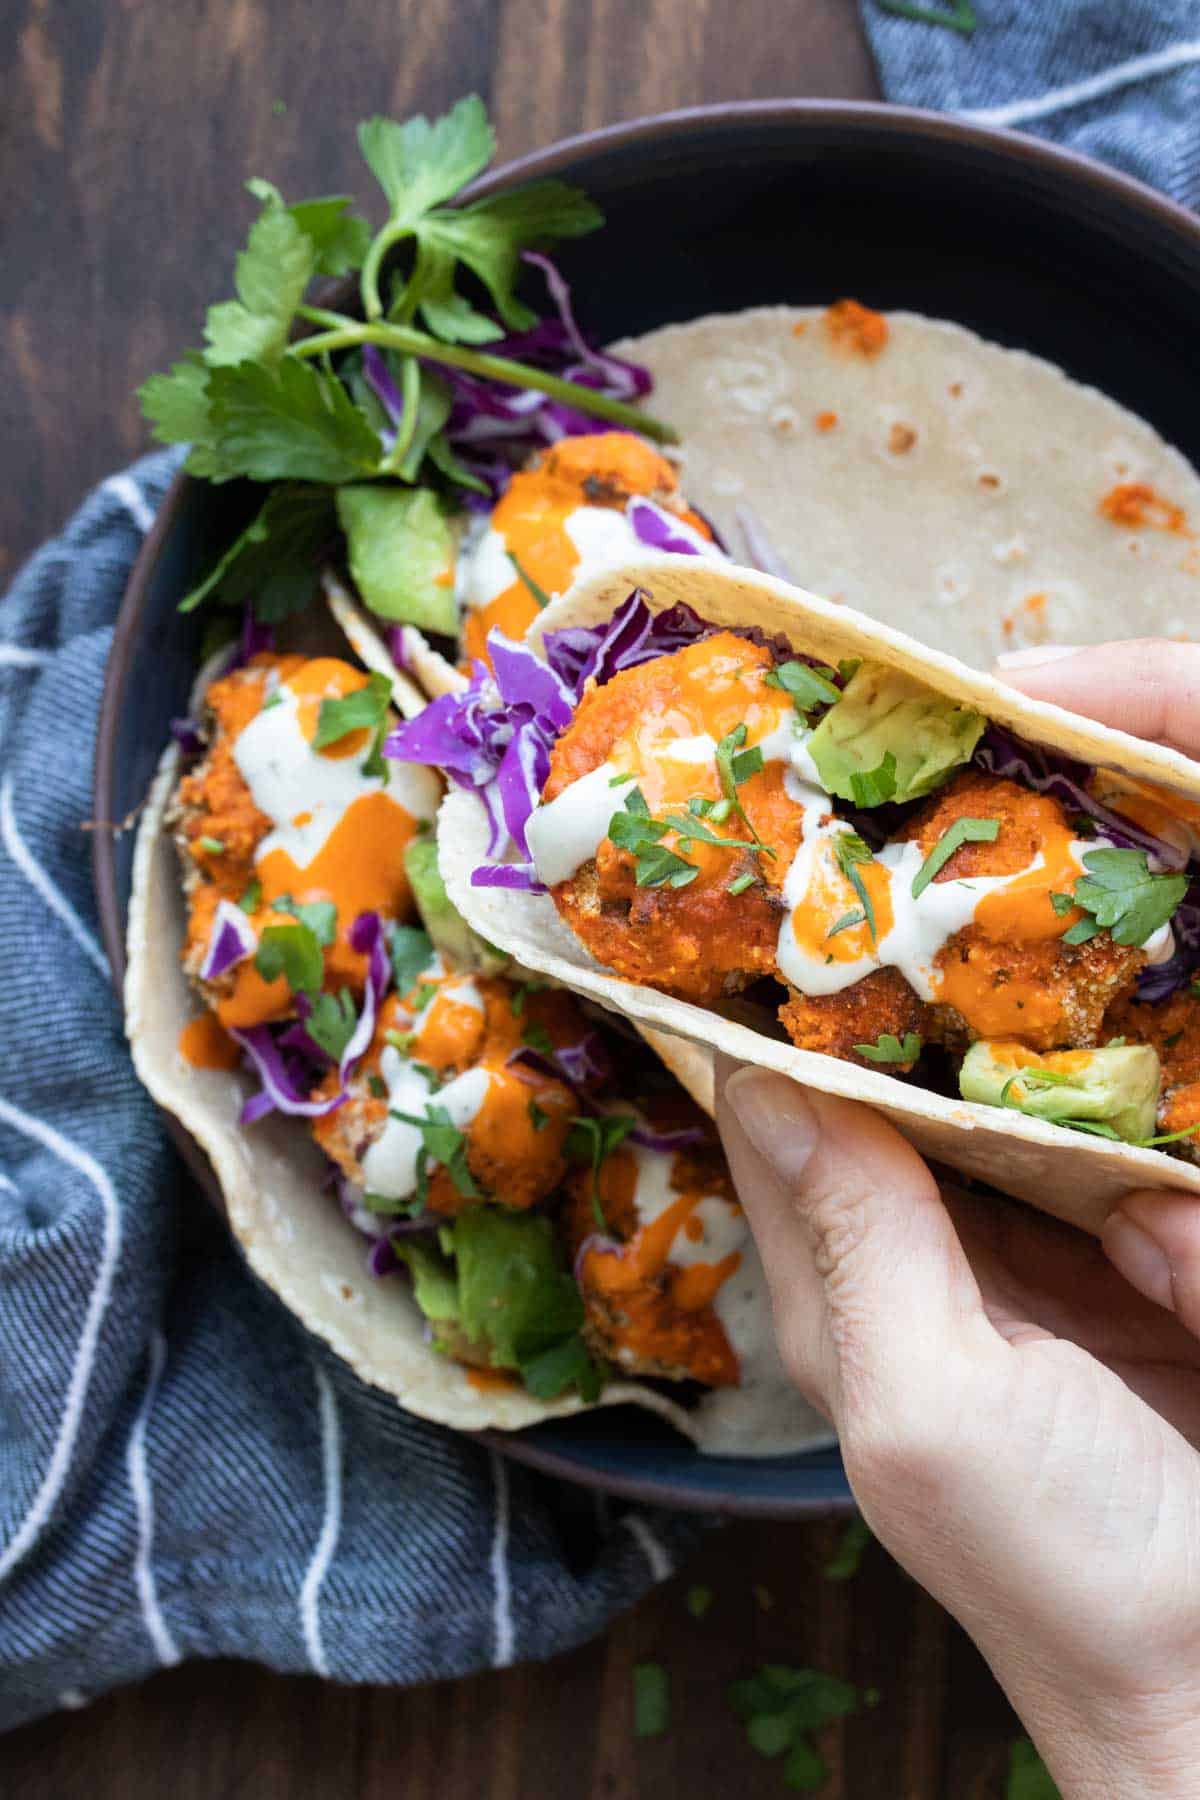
(955, 496)
(1077, 1178)
(273, 1179)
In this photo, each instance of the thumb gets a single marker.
(1149, 687)
(869, 1285)
(1153, 1239)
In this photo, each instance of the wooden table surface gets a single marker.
(126, 131)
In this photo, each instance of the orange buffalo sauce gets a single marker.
(665, 1308)
(1136, 505)
(602, 469)
(856, 330)
(829, 897)
(490, 1381)
(205, 1044)
(1013, 1055)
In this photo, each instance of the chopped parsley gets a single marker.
(844, 1562)
(373, 767)
(808, 687)
(847, 922)
(1122, 896)
(377, 1087)
(538, 594)
(657, 866)
(442, 1142)
(251, 900)
(403, 1041)
(620, 780)
(736, 765)
(538, 1038)
(538, 1118)
(214, 846)
(634, 830)
(781, 1706)
(698, 1600)
(651, 1700)
(874, 787)
(364, 709)
(740, 883)
(888, 1048)
(593, 1140)
(963, 831)
(332, 1022)
(319, 915)
(850, 851)
(294, 952)
(411, 951)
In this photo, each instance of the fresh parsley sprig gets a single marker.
(364, 709)
(851, 851)
(441, 1142)
(1121, 895)
(592, 1141)
(888, 1048)
(808, 687)
(963, 831)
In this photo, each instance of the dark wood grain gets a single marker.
(126, 129)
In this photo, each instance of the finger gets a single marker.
(1153, 1238)
(898, 1296)
(1149, 687)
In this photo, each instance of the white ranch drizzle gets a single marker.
(390, 1164)
(305, 794)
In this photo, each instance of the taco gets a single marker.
(736, 812)
(811, 438)
(495, 1206)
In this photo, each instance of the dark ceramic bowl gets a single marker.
(710, 210)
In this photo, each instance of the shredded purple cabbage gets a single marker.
(582, 1065)
(254, 639)
(760, 551)
(667, 1142)
(286, 1078)
(378, 378)
(658, 530)
(188, 736)
(397, 645)
(233, 938)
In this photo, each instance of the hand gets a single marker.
(1017, 1424)
(1151, 688)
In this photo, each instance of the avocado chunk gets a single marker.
(400, 545)
(513, 1293)
(1116, 1086)
(884, 713)
(451, 935)
(435, 1286)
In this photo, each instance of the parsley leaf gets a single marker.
(294, 952)
(339, 238)
(538, 593)
(651, 1700)
(593, 1140)
(444, 1143)
(850, 851)
(272, 563)
(874, 787)
(634, 829)
(538, 1117)
(890, 1049)
(1028, 1776)
(847, 920)
(365, 707)
(740, 883)
(411, 951)
(963, 831)
(289, 423)
(781, 1706)
(808, 687)
(176, 405)
(332, 1022)
(252, 898)
(319, 915)
(271, 275)
(734, 766)
(1123, 897)
(844, 1562)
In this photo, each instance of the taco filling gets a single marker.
(903, 885)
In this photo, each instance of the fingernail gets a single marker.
(776, 1118)
(1037, 653)
(1134, 1253)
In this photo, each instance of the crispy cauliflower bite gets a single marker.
(832, 1024)
(700, 941)
(1172, 1027)
(639, 1312)
(514, 1159)
(997, 982)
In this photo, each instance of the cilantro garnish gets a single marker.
(538, 1117)
(363, 709)
(734, 766)
(252, 898)
(850, 851)
(424, 994)
(377, 1087)
(698, 1599)
(960, 18)
(537, 593)
(1123, 897)
(373, 766)
(411, 951)
(635, 830)
(847, 921)
(1033, 1080)
(963, 831)
(888, 1048)
(740, 883)
(874, 787)
(781, 1706)
(538, 1038)
(319, 915)
(442, 1142)
(808, 687)
(620, 780)
(293, 951)
(1028, 1776)
(651, 1700)
(593, 1140)
(844, 1562)
(332, 1022)
(403, 1041)
(257, 401)
(214, 846)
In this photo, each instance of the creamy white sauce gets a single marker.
(1160, 945)
(567, 832)
(306, 794)
(463, 991)
(390, 1165)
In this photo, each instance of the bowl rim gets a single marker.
(868, 118)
